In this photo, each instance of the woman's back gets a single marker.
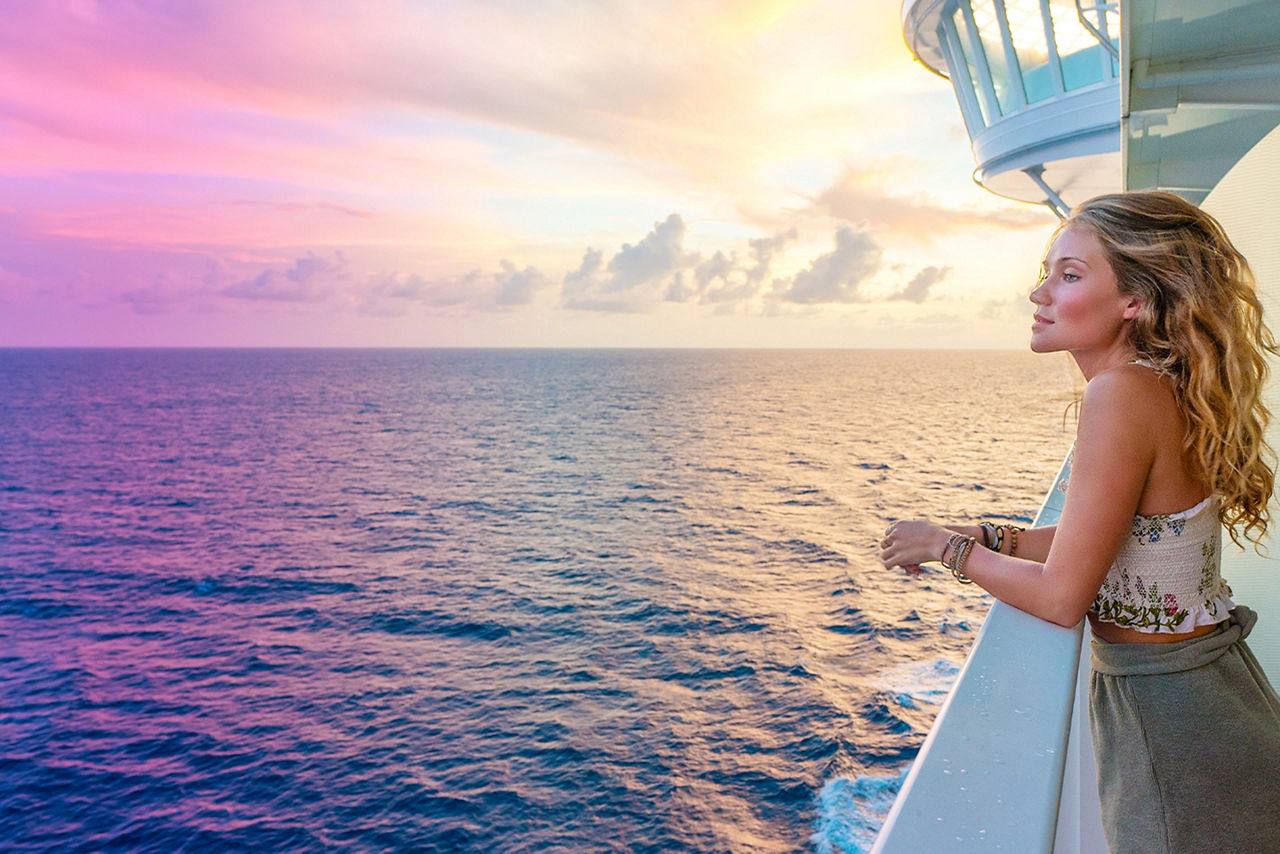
(1170, 487)
(1172, 484)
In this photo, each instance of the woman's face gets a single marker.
(1079, 306)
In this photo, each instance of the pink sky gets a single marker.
(492, 173)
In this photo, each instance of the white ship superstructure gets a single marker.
(1178, 95)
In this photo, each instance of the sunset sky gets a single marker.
(493, 173)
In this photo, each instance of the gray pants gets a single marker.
(1187, 739)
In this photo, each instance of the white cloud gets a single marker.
(859, 197)
(312, 278)
(637, 277)
(917, 290)
(516, 286)
(839, 275)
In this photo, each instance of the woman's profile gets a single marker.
(1160, 313)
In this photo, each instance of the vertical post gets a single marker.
(1051, 42)
(961, 80)
(986, 88)
(1017, 87)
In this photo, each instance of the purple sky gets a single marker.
(492, 173)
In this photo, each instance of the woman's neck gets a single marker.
(1092, 362)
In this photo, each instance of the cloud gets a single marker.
(660, 252)
(718, 279)
(837, 276)
(311, 279)
(659, 269)
(518, 287)
(637, 277)
(205, 85)
(394, 294)
(293, 208)
(763, 250)
(150, 301)
(318, 279)
(730, 278)
(857, 197)
(917, 290)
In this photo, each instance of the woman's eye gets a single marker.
(1070, 277)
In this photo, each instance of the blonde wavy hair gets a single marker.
(1201, 325)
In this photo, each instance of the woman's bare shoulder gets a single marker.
(1130, 416)
(1131, 405)
(1130, 389)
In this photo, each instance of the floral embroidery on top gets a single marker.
(1162, 581)
(1149, 529)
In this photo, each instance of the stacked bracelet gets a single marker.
(952, 543)
(955, 553)
(989, 534)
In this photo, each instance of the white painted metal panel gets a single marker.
(1247, 203)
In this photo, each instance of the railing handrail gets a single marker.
(1102, 37)
(989, 774)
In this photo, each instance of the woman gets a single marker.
(1160, 313)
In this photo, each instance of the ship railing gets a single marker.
(990, 773)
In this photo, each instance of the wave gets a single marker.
(851, 811)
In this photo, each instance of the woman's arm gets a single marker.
(1033, 543)
(1113, 456)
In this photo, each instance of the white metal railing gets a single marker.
(990, 773)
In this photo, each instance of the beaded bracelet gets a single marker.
(1013, 540)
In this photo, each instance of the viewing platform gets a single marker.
(1038, 86)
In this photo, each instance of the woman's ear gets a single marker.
(1132, 308)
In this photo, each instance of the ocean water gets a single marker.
(487, 600)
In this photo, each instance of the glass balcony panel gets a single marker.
(967, 39)
(984, 17)
(1026, 27)
(1084, 61)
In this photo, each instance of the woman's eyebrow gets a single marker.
(1067, 258)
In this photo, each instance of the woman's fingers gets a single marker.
(905, 544)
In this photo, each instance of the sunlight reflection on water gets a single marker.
(483, 600)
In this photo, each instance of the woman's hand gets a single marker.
(911, 542)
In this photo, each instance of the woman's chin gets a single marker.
(1040, 345)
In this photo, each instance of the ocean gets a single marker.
(487, 600)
